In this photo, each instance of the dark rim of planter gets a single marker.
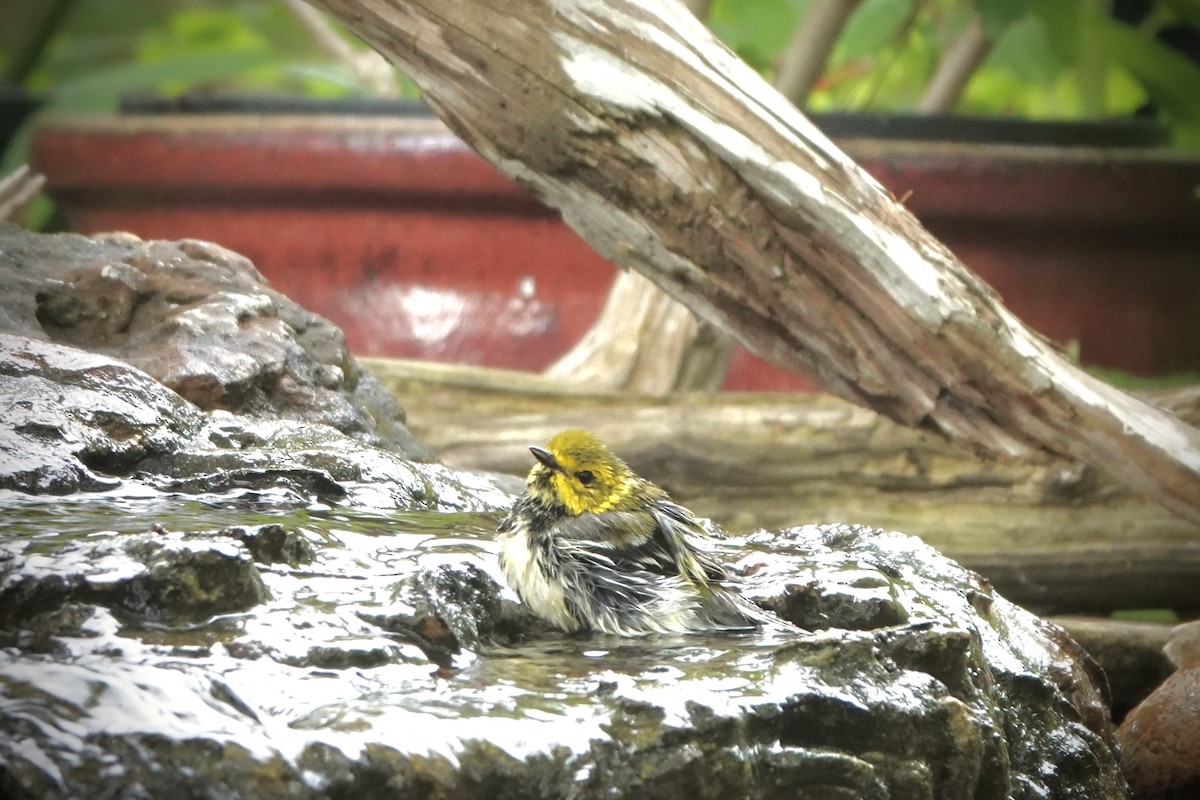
(1117, 132)
(205, 103)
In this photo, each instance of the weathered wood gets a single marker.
(643, 341)
(17, 190)
(1056, 536)
(674, 158)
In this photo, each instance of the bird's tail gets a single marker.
(723, 609)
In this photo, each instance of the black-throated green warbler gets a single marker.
(592, 546)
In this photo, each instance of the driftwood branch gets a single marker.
(674, 158)
(645, 342)
(1053, 536)
(18, 189)
(698, 7)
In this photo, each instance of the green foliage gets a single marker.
(871, 28)
(998, 15)
(1050, 59)
(107, 48)
(101, 50)
(1185, 11)
(1172, 81)
(757, 30)
(1033, 71)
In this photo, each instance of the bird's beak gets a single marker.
(546, 457)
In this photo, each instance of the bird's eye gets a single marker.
(585, 477)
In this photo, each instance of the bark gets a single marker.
(645, 342)
(674, 158)
(1055, 536)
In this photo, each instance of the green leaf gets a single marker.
(1186, 11)
(870, 28)
(200, 30)
(103, 88)
(757, 30)
(1124, 94)
(997, 15)
(1025, 52)
(1061, 22)
(1171, 80)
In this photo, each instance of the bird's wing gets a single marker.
(621, 588)
(686, 537)
(662, 539)
(612, 529)
(654, 578)
(626, 540)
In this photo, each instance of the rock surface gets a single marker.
(201, 320)
(74, 420)
(221, 577)
(1160, 737)
(78, 421)
(396, 666)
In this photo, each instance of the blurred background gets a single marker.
(1036, 59)
(1091, 239)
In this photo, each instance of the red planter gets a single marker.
(416, 247)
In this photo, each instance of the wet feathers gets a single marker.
(590, 545)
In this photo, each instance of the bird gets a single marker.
(592, 546)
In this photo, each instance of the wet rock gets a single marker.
(172, 365)
(350, 652)
(44, 632)
(201, 320)
(155, 766)
(1160, 737)
(149, 577)
(77, 421)
(448, 608)
(325, 692)
(73, 420)
(233, 453)
(274, 544)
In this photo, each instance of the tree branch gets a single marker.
(699, 7)
(18, 189)
(955, 70)
(674, 158)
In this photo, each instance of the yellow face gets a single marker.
(582, 474)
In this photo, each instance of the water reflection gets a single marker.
(307, 664)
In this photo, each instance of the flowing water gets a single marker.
(311, 663)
